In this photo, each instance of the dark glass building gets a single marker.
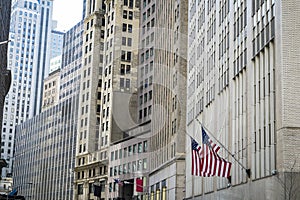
(5, 77)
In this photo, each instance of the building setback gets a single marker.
(47, 141)
(242, 74)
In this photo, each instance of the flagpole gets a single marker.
(248, 171)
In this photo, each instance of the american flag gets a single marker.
(118, 181)
(206, 161)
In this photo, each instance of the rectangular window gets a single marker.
(145, 146)
(127, 83)
(129, 150)
(80, 189)
(129, 56)
(120, 153)
(124, 41)
(129, 28)
(140, 147)
(130, 15)
(129, 42)
(124, 27)
(128, 69)
(121, 82)
(122, 70)
(125, 14)
(125, 152)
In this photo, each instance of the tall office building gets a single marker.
(108, 87)
(27, 32)
(243, 77)
(167, 140)
(43, 50)
(47, 142)
(5, 74)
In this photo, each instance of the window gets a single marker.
(128, 69)
(122, 83)
(124, 27)
(140, 147)
(129, 42)
(145, 163)
(134, 166)
(112, 156)
(123, 55)
(129, 56)
(130, 15)
(80, 189)
(145, 146)
(91, 187)
(125, 14)
(124, 41)
(129, 28)
(127, 83)
(120, 153)
(125, 152)
(122, 70)
(129, 150)
(130, 3)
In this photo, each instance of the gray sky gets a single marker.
(67, 13)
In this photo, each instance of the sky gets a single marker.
(67, 13)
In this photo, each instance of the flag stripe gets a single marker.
(206, 161)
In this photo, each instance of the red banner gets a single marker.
(139, 185)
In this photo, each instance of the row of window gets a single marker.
(148, 25)
(148, 40)
(148, 82)
(127, 14)
(148, 13)
(91, 173)
(131, 167)
(147, 111)
(146, 97)
(141, 147)
(127, 28)
(145, 56)
(146, 69)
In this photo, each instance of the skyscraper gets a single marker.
(243, 69)
(43, 50)
(27, 33)
(47, 141)
(108, 87)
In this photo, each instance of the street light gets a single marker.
(11, 193)
(5, 42)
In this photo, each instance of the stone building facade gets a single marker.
(167, 140)
(108, 88)
(242, 77)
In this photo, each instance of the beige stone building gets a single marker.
(51, 90)
(243, 77)
(108, 88)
